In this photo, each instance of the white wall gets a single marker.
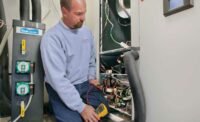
(51, 13)
(170, 62)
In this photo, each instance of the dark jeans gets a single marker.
(90, 95)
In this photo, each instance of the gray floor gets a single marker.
(46, 119)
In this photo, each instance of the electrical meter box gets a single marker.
(26, 51)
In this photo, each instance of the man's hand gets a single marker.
(96, 84)
(89, 114)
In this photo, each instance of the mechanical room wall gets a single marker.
(169, 62)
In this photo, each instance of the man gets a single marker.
(68, 57)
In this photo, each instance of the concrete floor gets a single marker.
(46, 119)
(52, 119)
(117, 117)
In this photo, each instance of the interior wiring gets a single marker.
(117, 93)
(103, 28)
(106, 21)
(115, 70)
(28, 104)
(119, 80)
(108, 13)
(112, 25)
(30, 98)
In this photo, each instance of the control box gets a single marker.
(27, 85)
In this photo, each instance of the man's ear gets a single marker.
(64, 11)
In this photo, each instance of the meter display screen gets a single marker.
(173, 4)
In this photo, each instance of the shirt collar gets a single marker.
(65, 26)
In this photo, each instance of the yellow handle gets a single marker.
(23, 46)
(22, 109)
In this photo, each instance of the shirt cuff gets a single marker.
(81, 107)
(91, 77)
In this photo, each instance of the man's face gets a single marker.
(74, 17)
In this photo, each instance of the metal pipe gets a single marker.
(119, 51)
(136, 86)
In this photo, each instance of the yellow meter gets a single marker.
(101, 110)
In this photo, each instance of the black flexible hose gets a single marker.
(136, 86)
(2, 18)
(36, 10)
(4, 80)
(24, 10)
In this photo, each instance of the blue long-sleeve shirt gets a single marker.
(68, 57)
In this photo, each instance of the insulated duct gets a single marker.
(4, 82)
(36, 10)
(24, 10)
(136, 86)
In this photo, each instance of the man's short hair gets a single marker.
(66, 4)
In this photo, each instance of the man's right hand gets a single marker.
(89, 114)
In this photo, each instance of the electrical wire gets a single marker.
(103, 28)
(115, 70)
(112, 25)
(108, 13)
(117, 79)
(87, 99)
(29, 101)
(4, 40)
(88, 94)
